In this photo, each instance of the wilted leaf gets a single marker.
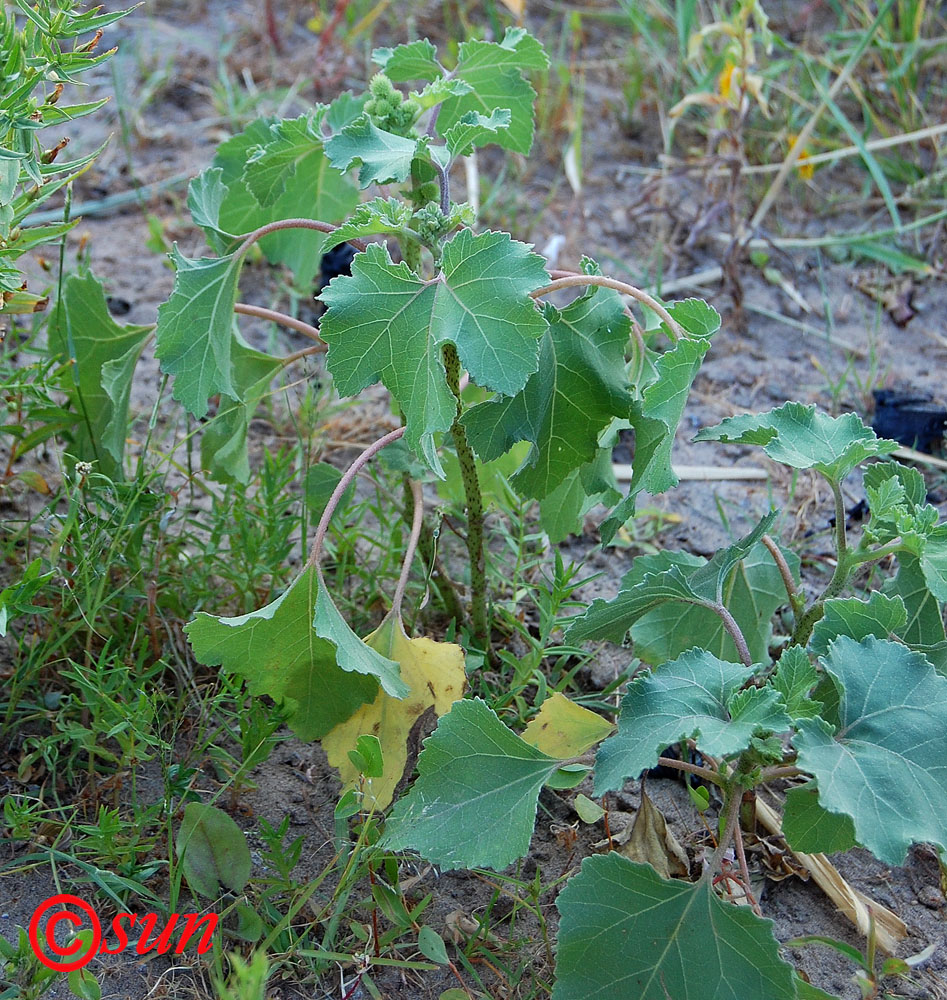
(434, 674)
(652, 843)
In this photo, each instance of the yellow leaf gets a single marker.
(563, 729)
(806, 170)
(725, 81)
(434, 672)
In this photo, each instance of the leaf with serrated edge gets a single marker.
(273, 165)
(194, 338)
(564, 729)
(887, 765)
(434, 674)
(803, 437)
(495, 74)
(879, 616)
(794, 679)
(475, 130)
(925, 625)
(702, 586)
(577, 391)
(384, 323)
(474, 802)
(382, 156)
(381, 215)
(687, 698)
(103, 355)
(562, 511)
(279, 653)
(415, 61)
(625, 932)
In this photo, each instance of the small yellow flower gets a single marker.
(725, 81)
(806, 169)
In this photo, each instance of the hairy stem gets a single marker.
(579, 280)
(685, 765)
(795, 601)
(474, 503)
(278, 317)
(731, 827)
(304, 353)
(735, 633)
(437, 574)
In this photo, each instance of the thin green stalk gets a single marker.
(474, 498)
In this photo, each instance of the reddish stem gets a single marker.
(282, 319)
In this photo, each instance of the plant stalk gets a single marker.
(474, 502)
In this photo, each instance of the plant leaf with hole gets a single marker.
(494, 71)
(279, 653)
(474, 802)
(103, 355)
(626, 932)
(701, 585)
(213, 851)
(886, 767)
(434, 674)
(564, 729)
(386, 324)
(803, 437)
(578, 389)
(696, 696)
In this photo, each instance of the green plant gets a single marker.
(460, 300)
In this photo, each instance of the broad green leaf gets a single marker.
(752, 592)
(195, 329)
(495, 74)
(103, 355)
(925, 624)
(226, 208)
(385, 323)
(809, 828)
(625, 932)
(562, 511)
(224, 439)
(278, 652)
(803, 437)
(794, 679)
(381, 156)
(703, 585)
(579, 388)
(475, 130)
(879, 616)
(474, 802)
(414, 61)
(696, 696)
(435, 677)
(886, 767)
(381, 215)
(655, 418)
(564, 729)
(272, 166)
(213, 851)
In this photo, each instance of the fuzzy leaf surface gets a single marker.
(696, 696)
(273, 165)
(381, 156)
(474, 802)
(475, 129)
(794, 679)
(626, 932)
(925, 624)
(415, 61)
(886, 767)
(279, 653)
(103, 355)
(385, 324)
(579, 388)
(372, 218)
(700, 585)
(494, 71)
(434, 674)
(804, 437)
(880, 616)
